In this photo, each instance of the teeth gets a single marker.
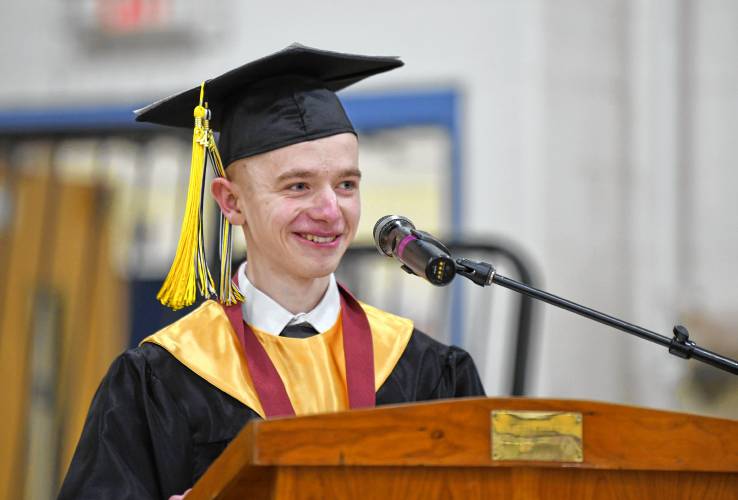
(318, 239)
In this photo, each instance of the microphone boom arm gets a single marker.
(484, 274)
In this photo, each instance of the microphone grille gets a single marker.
(382, 229)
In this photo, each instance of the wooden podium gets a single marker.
(481, 448)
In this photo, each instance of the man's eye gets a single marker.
(298, 186)
(347, 185)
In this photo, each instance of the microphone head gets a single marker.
(383, 228)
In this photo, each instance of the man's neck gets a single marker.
(294, 294)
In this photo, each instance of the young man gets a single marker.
(298, 343)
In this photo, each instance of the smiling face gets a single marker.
(299, 207)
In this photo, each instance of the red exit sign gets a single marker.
(134, 16)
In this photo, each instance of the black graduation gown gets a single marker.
(154, 426)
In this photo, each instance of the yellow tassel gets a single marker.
(189, 268)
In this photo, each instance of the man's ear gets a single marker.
(226, 194)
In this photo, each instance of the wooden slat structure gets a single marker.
(55, 250)
(444, 450)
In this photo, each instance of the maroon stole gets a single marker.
(357, 349)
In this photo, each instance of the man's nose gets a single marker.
(325, 205)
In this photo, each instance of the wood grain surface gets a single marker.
(382, 483)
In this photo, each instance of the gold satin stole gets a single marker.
(313, 369)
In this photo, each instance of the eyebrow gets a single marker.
(306, 174)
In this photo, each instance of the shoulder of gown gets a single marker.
(429, 369)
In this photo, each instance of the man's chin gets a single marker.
(318, 270)
(319, 273)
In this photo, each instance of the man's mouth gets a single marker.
(318, 239)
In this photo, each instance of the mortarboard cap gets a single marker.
(281, 99)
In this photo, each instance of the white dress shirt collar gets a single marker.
(264, 313)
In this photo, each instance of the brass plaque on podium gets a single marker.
(544, 436)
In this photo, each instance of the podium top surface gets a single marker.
(459, 433)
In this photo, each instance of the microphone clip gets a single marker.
(480, 273)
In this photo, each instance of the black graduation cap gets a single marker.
(278, 100)
(281, 99)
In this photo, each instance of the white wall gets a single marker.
(601, 136)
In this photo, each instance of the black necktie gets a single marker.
(298, 331)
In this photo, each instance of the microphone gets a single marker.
(419, 252)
